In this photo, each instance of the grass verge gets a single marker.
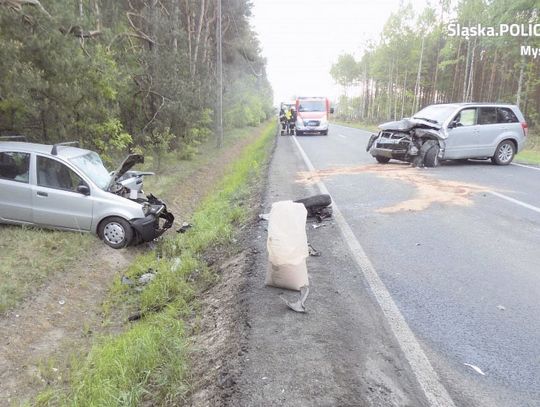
(28, 256)
(146, 364)
(531, 153)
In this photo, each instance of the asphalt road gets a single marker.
(457, 248)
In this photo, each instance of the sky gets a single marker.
(301, 39)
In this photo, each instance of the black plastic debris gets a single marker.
(318, 206)
(185, 227)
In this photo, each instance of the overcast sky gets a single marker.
(301, 39)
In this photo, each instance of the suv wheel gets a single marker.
(504, 154)
(382, 160)
(431, 159)
(115, 232)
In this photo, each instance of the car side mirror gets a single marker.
(453, 124)
(83, 189)
(331, 110)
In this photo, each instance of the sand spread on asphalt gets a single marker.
(429, 190)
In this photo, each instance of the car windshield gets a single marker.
(437, 113)
(312, 106)
(92, 166)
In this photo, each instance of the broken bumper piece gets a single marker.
(153, 226)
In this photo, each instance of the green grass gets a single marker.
(174, 165)
(147, 364)
(531, 153)
(29, 256)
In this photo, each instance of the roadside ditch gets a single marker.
(70, 343)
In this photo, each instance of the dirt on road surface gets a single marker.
(428, 190)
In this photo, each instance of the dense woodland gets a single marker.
(119, 74)
(416, 63)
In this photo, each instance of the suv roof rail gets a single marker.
(54, 150)
(14, 138)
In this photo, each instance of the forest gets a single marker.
(127, 74)
(416, 62)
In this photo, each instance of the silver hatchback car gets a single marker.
(452, 131)
(66, 187)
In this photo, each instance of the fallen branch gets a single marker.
(17, 5)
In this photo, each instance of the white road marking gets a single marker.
(341, 135)
(516, 201)
(526, 166)
(429, 381)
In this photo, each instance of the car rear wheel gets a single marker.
(324, 133)
(431, 159)
(382, 160)
(115, 232)
(504, 154)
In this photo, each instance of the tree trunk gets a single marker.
(520, 81)
(417, 85)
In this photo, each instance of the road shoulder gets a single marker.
(341, 352)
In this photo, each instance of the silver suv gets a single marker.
(452, 131)
(65, 187)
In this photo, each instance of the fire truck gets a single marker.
(312, 115)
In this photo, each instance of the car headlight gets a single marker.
(324, 121)
(299, 122)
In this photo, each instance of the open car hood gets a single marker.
(408, 124)
(126, 165)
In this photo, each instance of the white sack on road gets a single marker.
(287, 246)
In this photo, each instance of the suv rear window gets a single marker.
(15, 166)
(506, 115)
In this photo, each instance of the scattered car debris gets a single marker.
(501, 307)
(312, 251)
(135, 317)
(185, 227)
(126, 281)
(318, 206)
(298, 305)
(264, 216)
(475, 368)
(147, 277)
(176, 264)
(61, 302)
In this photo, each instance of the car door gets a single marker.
(15, 188)
(55, 198)
(462, 141)
(488, 130)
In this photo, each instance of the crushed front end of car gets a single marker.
(417, 141)
(129, 184)
(157, 220)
